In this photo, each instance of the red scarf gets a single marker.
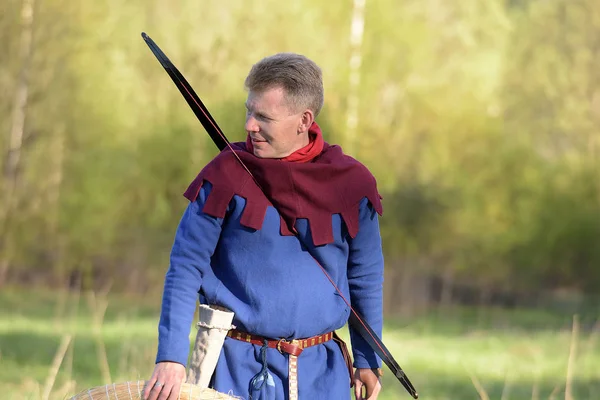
(305, 154)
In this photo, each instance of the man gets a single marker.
(260, 256)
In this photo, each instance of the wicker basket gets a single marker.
(134, 390)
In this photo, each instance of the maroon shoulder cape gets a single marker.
(332, 183)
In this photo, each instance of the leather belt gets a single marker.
(292, 347)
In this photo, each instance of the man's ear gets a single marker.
(308, 117)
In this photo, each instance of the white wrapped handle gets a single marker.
(213, 324)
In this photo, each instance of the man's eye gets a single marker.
(258, 116)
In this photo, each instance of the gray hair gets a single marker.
(300, 78)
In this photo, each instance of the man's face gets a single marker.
(274, 128)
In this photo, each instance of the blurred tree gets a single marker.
(552, 89)
(15, 141)
(551, 101)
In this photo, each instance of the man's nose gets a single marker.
(251, 124)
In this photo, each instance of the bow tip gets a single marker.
(144, 35)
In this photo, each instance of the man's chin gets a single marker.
(262, 153)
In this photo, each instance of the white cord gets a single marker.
(220, 328)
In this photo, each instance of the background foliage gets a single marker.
(479, 120)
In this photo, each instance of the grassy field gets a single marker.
(459, 354)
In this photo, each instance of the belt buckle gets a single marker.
(293, 341)
(279, 344)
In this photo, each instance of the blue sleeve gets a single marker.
(365, 278)
(195, 242)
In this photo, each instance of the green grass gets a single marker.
(510, 353)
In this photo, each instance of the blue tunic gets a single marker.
(276, 290)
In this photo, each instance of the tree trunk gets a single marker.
(483, 306)
(356, 39)
(13, 156)
(447, 289)
(54, 191)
